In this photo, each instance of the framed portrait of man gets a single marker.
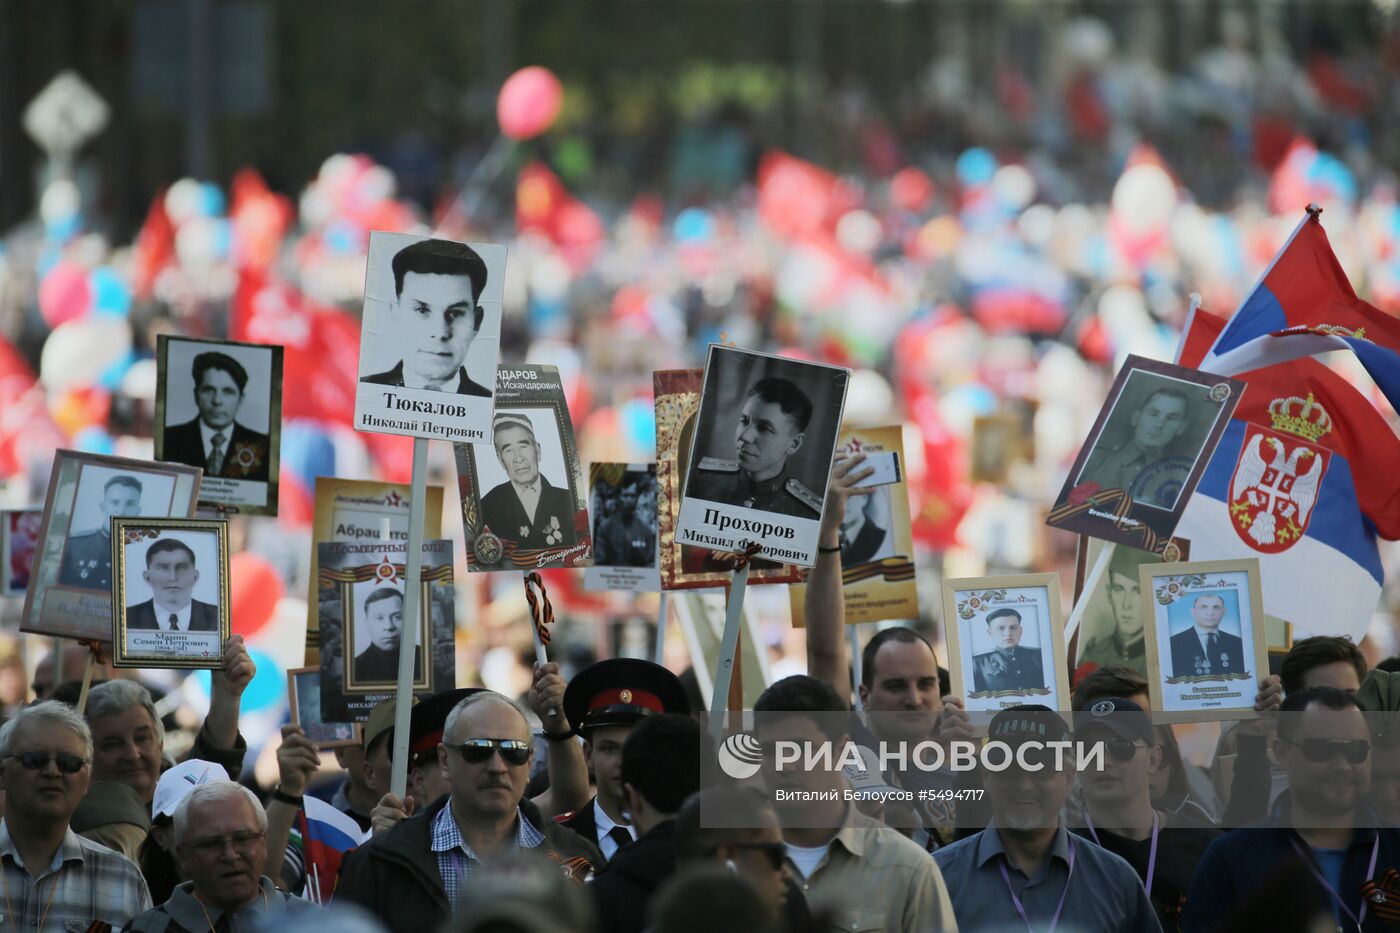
(219, 408)
(431, 335)
(364, 624)
(70, 588)
(304, 701)
(523, 504)
(170, 592)
(1146, 453)
(19, 539)
(622, 504)
(1112, 628)
(761, 456)
(688, 566)
(1208, 644)
(1005, 639)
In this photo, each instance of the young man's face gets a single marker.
(218, 398)
(171, 576)
(1159, 421)
(603, 751)
(1207, 611)
(119, 500)
(385, 620)
(765, 438)
(904, 687)
(519, 454)
(1124, 593)
(1005, 632)
(1333, 785)
(436, 315)
(628, 499)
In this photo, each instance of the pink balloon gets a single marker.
(529, 102)
(64, 294)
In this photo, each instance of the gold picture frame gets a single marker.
(198, 630)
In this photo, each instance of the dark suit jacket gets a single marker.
(863, 548)
(183, 444)
(502, 512)
(582, 821)
(1187, 650)
(993, 670)
(203, 617)
(375, 665)
(465, 385)
(623, 891)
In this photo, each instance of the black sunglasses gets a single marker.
(38, 761)
(1121, 749)
(477, 751)
(1321, 750)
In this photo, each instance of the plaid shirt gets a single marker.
(450, 847)
(84, 882)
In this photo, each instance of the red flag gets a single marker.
(154, 249)
(545, 206)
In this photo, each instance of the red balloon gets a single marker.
(256, 588)
(64, 294)
(529, 102)
(911, 190)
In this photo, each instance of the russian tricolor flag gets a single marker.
(1305, 479)
(320, 838)
(1304, 305)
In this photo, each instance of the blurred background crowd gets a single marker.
(981, 208)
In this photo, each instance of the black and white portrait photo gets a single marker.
(764, 440)
(376, 631)
(527, 496)
(1145, 454)
(105, 493)
(622, 501)
(173, 587)
(304, 701)
(867, 532)
(219, 407)
(432, 322)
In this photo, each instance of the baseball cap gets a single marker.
(1122, 717)
(380, 721)
(1027, 722)
(180, 780)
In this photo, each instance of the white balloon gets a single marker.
(858, 232)
(1144, 198)
(183, 200)
(1014, 185)
(78, 352)
(869, 397)
(60, 201)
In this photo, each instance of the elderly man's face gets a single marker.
(519, 454)
(1207, 611)
(126, 748)
(171, 576)
(436, 316)
(218, 398)
(45, 792)
(1005, 632)
(120, 500)
(493, 788)
(765, 438)
(385, 620)
(1159, 421)
(223, 851)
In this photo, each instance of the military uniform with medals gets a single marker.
(1017, 669)
(628, 542)
(88, 562)
(552, 526)
(719, 480)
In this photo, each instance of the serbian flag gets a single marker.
(1304, 305)
(319, 840)
(1305, 480)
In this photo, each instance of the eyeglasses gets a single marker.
(213, 846)
(1122, 749)
(38, 761)
(1321, 750)
(776, 851)
(478, 751)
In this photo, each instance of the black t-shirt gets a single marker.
(1181, 843)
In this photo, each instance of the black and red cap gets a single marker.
(428, 719)
(621, 692)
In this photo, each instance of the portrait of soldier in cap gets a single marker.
(606, 700)
(87, 562)
(436, 314)
(1008, 666)
(1119, 637)
(527, 508)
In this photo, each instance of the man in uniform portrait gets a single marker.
(623, 539)
(1203, 648)
(1158, 421)
(379, 663)
(526, 508)
(771, 428)
(171, 574)
(1123, 644)
(1008, 666)
(437, 314)
(215, 440)
(88, 561)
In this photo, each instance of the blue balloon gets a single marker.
(110, 295)
(94, 440)
(693, 225)
(267, 688)
(639, 424)
(307, 451)
(211, 201)
(111, 377)
(64, 228)
(342, 238)
(976, 167)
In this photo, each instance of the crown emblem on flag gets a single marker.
(1303, 417)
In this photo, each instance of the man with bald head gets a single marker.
(412, 875)
(1204, 648)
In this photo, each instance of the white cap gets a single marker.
(180, 780)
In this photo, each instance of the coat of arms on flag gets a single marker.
(1277, 475)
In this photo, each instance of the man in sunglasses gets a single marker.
(220, 834)
(52, 878)
(1025, 869)
(1118, 814)
(412, 875)
(1323, 825)
(607, 700)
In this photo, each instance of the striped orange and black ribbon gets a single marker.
(1121, 504)
(893, 569)
(541, 611)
